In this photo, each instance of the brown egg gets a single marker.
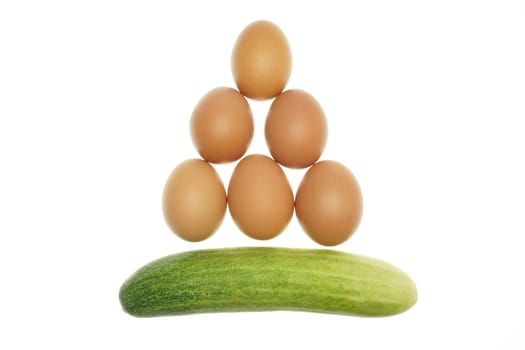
(261, 61)
(328, 203)
(222, 125)
(296, 129)
(260, 198)
(194, 200)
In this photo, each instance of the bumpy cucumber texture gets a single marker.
(264, 279)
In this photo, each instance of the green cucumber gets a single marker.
(264, 279)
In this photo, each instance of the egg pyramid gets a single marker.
(328, 201)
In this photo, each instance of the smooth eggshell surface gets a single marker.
(194, 200)
(261, 61)
(296, 129)
(221, 125)
(260, 198)
(328, 203)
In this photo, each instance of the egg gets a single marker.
(221, 125)
(194, 200)
(261, 61)
(260, 198)
(296, 129)
(328, 203)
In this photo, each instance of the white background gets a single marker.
(425, 104)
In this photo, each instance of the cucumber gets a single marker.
(264, 279)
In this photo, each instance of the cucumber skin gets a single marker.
(266, 279)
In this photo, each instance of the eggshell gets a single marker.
(221, 125)
(296, 129)
(328, 203)
(261, 61)
(194, 200)
(260, 198)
